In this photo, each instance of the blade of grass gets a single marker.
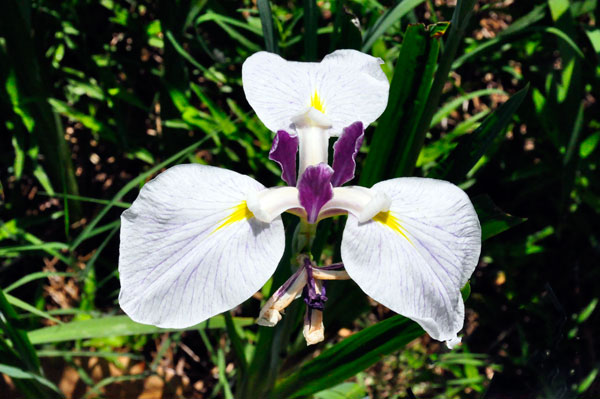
(223, 374)
(16, 302)
(18, 337)
(5, 251)
(85, 199)
(346, 34)
(474, 146)
(451, 105)
(388, 19)
(310, 29)
(266, 19)
(35, 276)
(15, 372)
(408, 93)
(458, 25)
(493, 220)
(115, 326)
(67, 354)
(20, 47)
(237, 36)
(236, 342)
(348, 357)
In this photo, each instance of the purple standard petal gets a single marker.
(283, 151)
(315, 189)
(345, 150)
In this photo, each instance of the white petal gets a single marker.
(354, 88)
(418, 261)
(190, 249)
(270, 203)
(313, 147)
(362, 202)
(278, 90)
(350, 85)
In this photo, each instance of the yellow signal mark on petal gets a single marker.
(389, 220)
(239, 212)
(316, 102)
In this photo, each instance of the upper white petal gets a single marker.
(418, 268)
(180, 260)
(351, 85)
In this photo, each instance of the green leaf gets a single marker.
(237, 343)
(585, 384)
(394, 138)
(20, 356)
(16, 302)
(346, 33)
(502, 39)
(311, 14)
(348, 357)
(493, 220)
(89, 121)
(15, 372)
(187, 56)
(476, 144)
(47, 246)
(115, 326)
(239, 37)
(589, 145)
(388, 19)
(438, 29)
(465, 291)
(453, 104)
(266, 20)
(587, 311)
(347, 390)
(594, 37)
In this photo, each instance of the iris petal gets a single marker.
(315, 189)
(347, 86)
(191, 249)
(344, 153)
(417, 256)
(284, 152)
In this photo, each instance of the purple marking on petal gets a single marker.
(283, 151)
(345, 150)
(315, 189)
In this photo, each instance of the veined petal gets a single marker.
(362, 202)
(284, 152)
(417, 256)
(347, 86)
(344, 153)
(191, 249)
(353, 87)
(315, 189)
(268, 204)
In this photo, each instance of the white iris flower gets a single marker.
(200, 240)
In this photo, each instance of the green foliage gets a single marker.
(502, 101)
(347, 358)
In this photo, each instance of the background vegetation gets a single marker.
(97, 97)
